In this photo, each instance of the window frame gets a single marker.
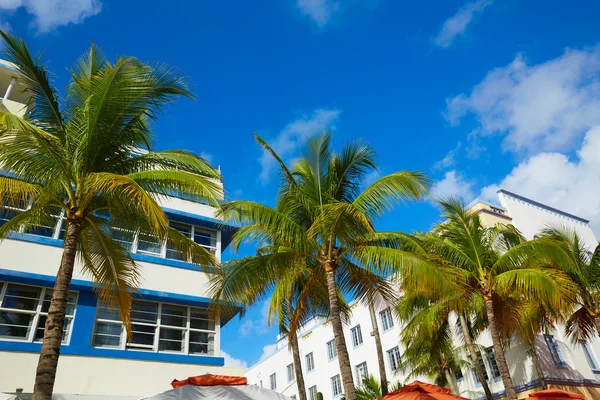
(391, 353)
(336, 386)
(273, 381)
(490, 354)
(359, 374)
(312, 392)
(310, 356)
(555, 352)
(37, 313)
(291, 376)
(356, 334)
(386, 319)
(331, 355)
(590, 356)
(155, 347)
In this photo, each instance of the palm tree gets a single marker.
(332, 228)
(584, 270)
(379, 349)
(90, 157)
(427, 338)
(491, 263)
(370, 388)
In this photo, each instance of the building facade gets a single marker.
(576, 366)
(174, 336)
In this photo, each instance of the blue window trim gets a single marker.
(29, 278)
(27, 347)
(555, 352)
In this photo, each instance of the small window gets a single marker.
(491, 356)
(331, 350)
(387, 322)
(589, 355)
(261, 384)
(273, 381)
(458, 375)
(554, 348)
(361, 373)
(394, 358)
(312, 393)
(356, 336)
(148, 243)
(293, 397)
(310, 362)
(482, 365)
(290, 372)
(336, 386)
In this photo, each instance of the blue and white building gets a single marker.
(173, 334)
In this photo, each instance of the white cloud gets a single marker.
(320, 11)
(233, 362)
(543, 107)
(458, 23)
(293, 135)
(268, 351)
(571, 185)
(50, 14)
(453, 185)
(449, 159)
(207, 157)
(246, 328)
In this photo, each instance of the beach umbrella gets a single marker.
(422, 391)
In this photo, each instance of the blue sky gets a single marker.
(479, 94)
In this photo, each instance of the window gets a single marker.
(557, 356)
(160, 327)
(290, 372)
(312, 393)
(310, 362)
(10, 208)
(589, 355)
(356, 336)
(491, 356)
(482, 365)
(361, 373)
(261, 384)
(387, 321)
(336, 385)
(273, 381)
(331, 350)
(24, 309)
(458, 375)
(293, 397)
(54, 227)
(394, 357)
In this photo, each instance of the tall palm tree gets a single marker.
(333, 228)
(90, 157)
(584, 270)
(379, 350)
(493, 262)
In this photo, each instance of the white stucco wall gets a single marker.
(101, 376)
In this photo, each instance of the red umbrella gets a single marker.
(210, 380)
(422, 391)
(556, 394)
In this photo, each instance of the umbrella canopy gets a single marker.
(556, 394)
(210, 380)
(221, 392)
(422, 391)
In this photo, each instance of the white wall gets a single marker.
(102, 376)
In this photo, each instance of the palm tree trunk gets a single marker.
(338, 335)
(380, 359)
(297, 365)
(511, 394)
(53, 331)
(536, 364)
(474, 357)
(597, 323)
(452, 382)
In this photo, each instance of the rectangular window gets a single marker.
(273, 381)
(482, 365)
(148, 243)
(290, 372)
(493, 364)
(24, 309)
(458, 375)
(203, 237)
(394, 358)
(53, 227)
(356, 336)
(361, 373)
(331, 350)
(10, 208)
(387, 322)
(310, 362)
(312, 393)
(336, 386)
(557, 356)
(589, 355)
(123, 236)
(157, 327)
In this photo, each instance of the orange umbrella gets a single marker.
(422, 391)
(210, 380)
(556, 394)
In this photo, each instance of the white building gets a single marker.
(564, 364)
(174, 336)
